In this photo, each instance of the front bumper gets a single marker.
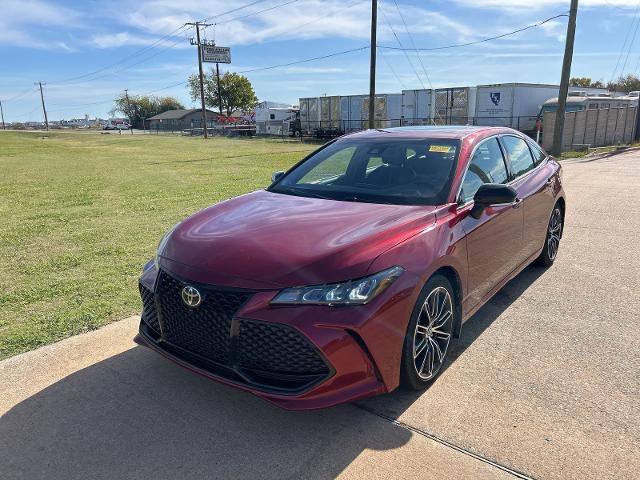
(298, 357)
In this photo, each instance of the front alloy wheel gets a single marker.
(429, 334)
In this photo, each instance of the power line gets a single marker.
(391, 69)
(335, 54)
(633, 39)
(413, 44)
(137, 53)
(386, 19)
(352, 4)
(135, 64)
(615, 69)
(19, 95)
(24, 114)
(622, 9)
(242, 17)
(317, 19)
(242, 7)
(476, 42)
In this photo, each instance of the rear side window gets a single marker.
(519, 154)
(486, 166)
(538, 154)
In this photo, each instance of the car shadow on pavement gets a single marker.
(397, 402)
(137, 415)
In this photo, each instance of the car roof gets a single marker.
(431, 131)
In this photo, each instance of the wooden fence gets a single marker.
(592, 128)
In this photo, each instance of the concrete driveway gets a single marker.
(544, 383)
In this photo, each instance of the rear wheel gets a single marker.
(552, 239)
(429, 334)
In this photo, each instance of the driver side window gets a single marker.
(486, 166)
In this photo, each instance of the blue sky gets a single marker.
(60, 42)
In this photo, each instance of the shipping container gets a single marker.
(454, 106)
(416, 107)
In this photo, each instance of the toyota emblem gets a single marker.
(191, 296)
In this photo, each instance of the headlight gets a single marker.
(162, 244)
(354, 292)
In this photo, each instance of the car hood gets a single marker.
(266, 240)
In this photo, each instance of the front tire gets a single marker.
(552, 238)
(429, 334)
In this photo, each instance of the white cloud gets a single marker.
(120, 39)
(539, 4)
(306, 19)
(24, 23)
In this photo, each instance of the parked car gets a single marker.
(354, 270)
(122, 126)
(109, 126)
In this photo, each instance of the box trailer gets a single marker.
(454, 106)
(320, 116)
(387, 110)
(351, 113)
(516, 105)
(309, 115)
(416, 107)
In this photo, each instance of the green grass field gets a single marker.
(81, 213)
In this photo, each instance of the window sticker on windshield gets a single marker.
(440, 148)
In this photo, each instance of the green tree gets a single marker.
(236, 91)
(586, 82)
(627, 83)
(137, 108)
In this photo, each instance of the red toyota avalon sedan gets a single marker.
(355, 270)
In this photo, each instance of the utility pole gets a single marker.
(204, 109)
(2, 115)
(126, 94)
(558, 130)
(372, 72)
(219, 92)
(44, 110)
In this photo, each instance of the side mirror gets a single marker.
(276, 176)
(492, 194)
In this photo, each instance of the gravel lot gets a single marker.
(545, 384)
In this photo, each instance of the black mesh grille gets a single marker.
(204, 330)
(263, 354)
(149, 314)
(276, 348)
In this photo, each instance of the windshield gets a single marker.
(380, 170)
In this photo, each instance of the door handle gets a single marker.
(516, 203)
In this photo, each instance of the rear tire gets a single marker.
(429, 334)
(552, 238)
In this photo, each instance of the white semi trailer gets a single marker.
(417, 107)
(516, 105)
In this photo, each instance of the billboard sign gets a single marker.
(213, 54)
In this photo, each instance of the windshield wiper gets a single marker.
(354, 198)
(302, 193)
